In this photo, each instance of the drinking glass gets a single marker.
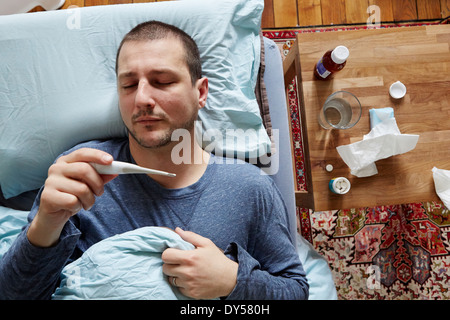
(341, 110)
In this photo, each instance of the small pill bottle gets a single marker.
(331, 62)
(339, 185)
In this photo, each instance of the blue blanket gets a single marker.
(11, 223)
(125, 266)
(129, 265)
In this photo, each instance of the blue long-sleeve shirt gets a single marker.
(235, 206)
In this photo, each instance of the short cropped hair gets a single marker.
(156, 30)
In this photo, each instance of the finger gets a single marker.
(89, 155)
(173, 276)
(176, 282)
(54, 201)
(172, 256)
(171, 270)
(80, 190)
(194, 238)
(84, 172)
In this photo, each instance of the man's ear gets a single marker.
(202, 87)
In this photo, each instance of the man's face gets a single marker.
(156, 95)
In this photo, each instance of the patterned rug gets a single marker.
(387, 252)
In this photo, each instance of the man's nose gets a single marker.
(145, 95)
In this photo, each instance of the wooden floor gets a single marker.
(293, 13)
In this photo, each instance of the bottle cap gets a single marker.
(340, 185)
(340, 54)
(397, 90)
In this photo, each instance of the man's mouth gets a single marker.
(147, 120)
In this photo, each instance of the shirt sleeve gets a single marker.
(32, 273)
(272, 270)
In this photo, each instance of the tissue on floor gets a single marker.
(442, 185)
(383, 141)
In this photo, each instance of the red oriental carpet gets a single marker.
(387, 252)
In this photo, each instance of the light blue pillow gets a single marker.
(318, 273)
(125, 266)
(58, 83)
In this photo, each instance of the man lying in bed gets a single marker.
(235, 216)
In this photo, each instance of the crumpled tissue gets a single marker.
(442, 185)
(383, 141)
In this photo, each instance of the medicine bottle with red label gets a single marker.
(331, 62)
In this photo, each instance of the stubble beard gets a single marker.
(165, 137)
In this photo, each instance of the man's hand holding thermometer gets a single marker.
(73, 183)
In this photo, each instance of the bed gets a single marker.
(57, 89)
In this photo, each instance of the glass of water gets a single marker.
(341, 110)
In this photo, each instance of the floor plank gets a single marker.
(118, 1)
(309, 13)
(88, 3)
(385, 9)
(356, 11)
(267, 19)
(445, 8)
(333, 12)
(69, 3)
(404, 10)
(428, 9)
(285, 13)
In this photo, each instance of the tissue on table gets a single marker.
(442, 185)
(383, 141)
(379, 115)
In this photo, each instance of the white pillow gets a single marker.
(58, 83)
